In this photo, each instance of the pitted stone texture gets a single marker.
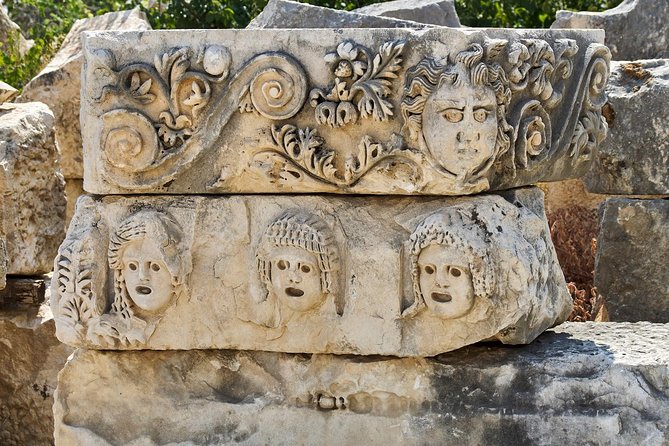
(634, 159)
(362, 111)
(361, 275)
(58, 84)
(30, 359)
(33, 201)
(631, 265)
(7, 92)
(292, 15)
(434, 12)
(569, 193)
(74, 188)
(582, 383)
(635, 29)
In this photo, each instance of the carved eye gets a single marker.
(155, 267)
(132, 266)
(429, 269)
(455, 272)
(453, 114)
(481, 114)
(306, 269)
(282, 265)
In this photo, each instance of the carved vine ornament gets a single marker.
(496, 106)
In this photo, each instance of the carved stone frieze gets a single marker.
(360, 275)
(438, 111)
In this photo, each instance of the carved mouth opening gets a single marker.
(294, 292)
(144, 290)
(441, 297)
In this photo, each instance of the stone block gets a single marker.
(59, 83)
(7, 92)
(11, 39)
(74, 188)
(631, 265)
(30, 359)
(635, 29)
(580, 383)
(434, 12)
(362, 275)
(364, 111)
(32, 200)
(634, 159)
(22, 293)
(295, 15)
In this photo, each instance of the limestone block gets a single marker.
(7, 92)
(635, 29)
(30, 359)
(435, 12)
(366, 111)
(634, 159)
(581, 383)
(32, 200)
(11, 39)
(74, 188)
(362, 275)
(59, 83)
(293, 15)
(631, 265)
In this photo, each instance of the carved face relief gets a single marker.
(445, 281)
(296, 278)
(147, 278)
(460, 125)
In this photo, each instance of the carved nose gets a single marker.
(295, 277)
(468, 136)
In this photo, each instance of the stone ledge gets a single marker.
(580, 383)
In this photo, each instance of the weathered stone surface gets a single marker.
(292, 15)
(11, 39)
(569, 193)
(581, 383)
(31, 188)
(386, 112)
(362, 275)
(23, 293)
(59, 83)
(74, 188)
(635, 29)
(30, 359)
(631, 266)
(434, 12)
(7, 92)
(634, 159)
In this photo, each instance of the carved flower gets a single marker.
(535, 136)
(518, 58)
(129, 140)
(347, 64)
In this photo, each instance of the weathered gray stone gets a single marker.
(7, 92)
(581, 383)
(362, 111)
(30, 359)
(635, 29)
(631, 265)
(362, 275)
(31, 188)
(634, 159)
(59, 83)
(291, 15)
(434, 12)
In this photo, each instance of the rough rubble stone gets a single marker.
(291, 15)
(635, 29)
(362, 275)
(631, 265)
(434, 12)
(7, 92)
(634, 159)
(31, 188)
(569, 193)
(11, 39)
(313, 112)
(59, 83)
(23, 293)
(30, 359)
(581, 383)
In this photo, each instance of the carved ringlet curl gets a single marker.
(598, 75)
(168, 235)
(533, 133)
(128, 140)
(306, 231)
(454, 227)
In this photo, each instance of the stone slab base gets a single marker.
(587, 383)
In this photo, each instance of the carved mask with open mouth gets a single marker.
(147, 279)
(296, 278)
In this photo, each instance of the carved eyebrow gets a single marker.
(449, 103)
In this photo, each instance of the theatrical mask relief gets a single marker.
(132, 274)
(349, 111)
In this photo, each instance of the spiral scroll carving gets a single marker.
(129, 141)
